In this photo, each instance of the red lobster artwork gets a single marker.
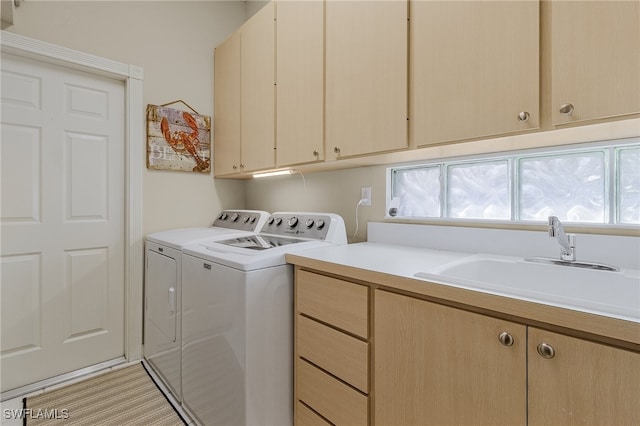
(182, 142)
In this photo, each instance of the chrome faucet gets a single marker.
(567, 250)
(567, 241)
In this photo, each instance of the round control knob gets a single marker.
(245, 219)
(309, 223)
(292, 221)
(252, 219)
(320, 224)
(270, 221)
(278, 221)
(235, 217)
(223, 216)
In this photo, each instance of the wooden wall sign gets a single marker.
(178, 140)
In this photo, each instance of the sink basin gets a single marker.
(602, 292)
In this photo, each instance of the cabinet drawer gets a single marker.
(336, 302)
(343, 356)
(337, 402)
(306, 417)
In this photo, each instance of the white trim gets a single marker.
(134, 133)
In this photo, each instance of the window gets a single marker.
(595, 183)
(478, 190)
(570, 186)
(628, 178)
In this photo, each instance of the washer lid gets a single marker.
(178, 238)
(259, 242)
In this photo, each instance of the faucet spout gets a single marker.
(566, 241)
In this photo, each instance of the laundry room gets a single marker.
(386, 178)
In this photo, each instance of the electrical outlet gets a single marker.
(366, 195)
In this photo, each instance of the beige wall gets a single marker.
(333, 191)
(173, 41)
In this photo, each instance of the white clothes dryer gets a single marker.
(237, 356)
(163, 273)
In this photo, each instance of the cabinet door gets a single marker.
(257, 90)
(595, 59)
(366, 77)
(300, 87)
(582, 382)
(226, 123)
(439, 365)
(474, 69)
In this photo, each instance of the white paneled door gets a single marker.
(62, 220)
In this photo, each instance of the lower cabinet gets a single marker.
(578, 382)
(368, 355)
(436, 365)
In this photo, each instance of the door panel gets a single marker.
(62, 220)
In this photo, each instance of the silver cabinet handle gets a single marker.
(566, 109)
(523, 116)
(546, 351)
(506, 339)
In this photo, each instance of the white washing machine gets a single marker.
(163, 273)
(237, 355)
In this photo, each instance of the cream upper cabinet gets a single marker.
(366, 77)
(595, 63)
(474, 69)
(300, 82)
(444, 366)
(257, 90)
(226, 126)
(576, 382)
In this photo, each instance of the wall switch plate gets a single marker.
(366, 195)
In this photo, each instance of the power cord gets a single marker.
(361, 202)
(304, 181)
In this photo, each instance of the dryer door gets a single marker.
(161, 338)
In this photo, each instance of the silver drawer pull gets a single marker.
(523, 116)
(506, 339)
(566, 109)
(546, 351)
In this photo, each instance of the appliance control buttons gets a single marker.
(320, 224)
(293, 222)
(270, 221)
(309, 223)
(278, 221)
(223, 216)
(245, 219)
(252, 219)
(235, 217)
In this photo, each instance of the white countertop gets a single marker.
(405, 262)
(402, 261)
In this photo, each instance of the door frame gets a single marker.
(132, 77)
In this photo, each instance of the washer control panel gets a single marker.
(302, 225)
(242, 220)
